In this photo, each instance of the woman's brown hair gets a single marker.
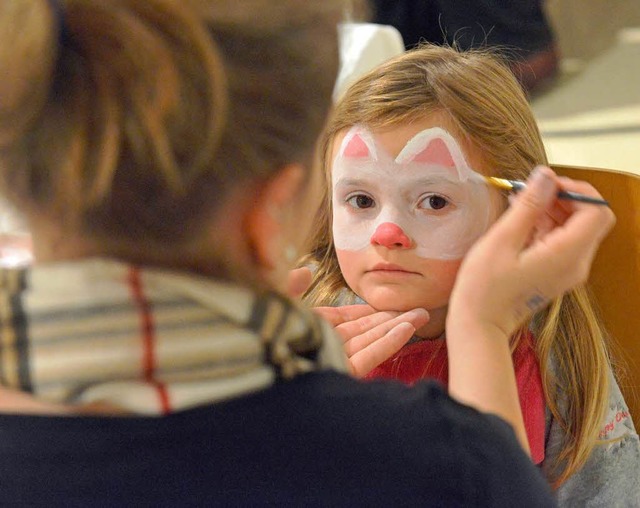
(489, 110)
(128, 121)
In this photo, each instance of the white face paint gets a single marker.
(428, 191)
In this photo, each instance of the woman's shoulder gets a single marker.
(323, 435)
(389, 406)
(431, 432)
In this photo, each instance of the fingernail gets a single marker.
(540, 179)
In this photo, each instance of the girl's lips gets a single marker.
(390, 268)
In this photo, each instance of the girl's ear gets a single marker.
(269, 223)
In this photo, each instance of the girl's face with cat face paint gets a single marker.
(406, 208)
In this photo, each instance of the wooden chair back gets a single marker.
(615, 276)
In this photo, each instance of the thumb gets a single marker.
(519, 221)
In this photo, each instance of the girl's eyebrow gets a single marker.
(431, 180)
(350, 182)
(406, 187)
(424, 180)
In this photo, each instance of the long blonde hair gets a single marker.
(488, 109)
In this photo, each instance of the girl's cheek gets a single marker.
(351, 263)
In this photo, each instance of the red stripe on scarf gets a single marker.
(148, 339)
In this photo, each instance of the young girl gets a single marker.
(405, 154)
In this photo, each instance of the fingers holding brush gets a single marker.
(541, 247)
(555, 215)
(580, 226)
(568, 193)
(570, 235)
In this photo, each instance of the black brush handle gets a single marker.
(572, 196)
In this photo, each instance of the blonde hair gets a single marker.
(489, 110)
(130, 120)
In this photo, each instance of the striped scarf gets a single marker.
(150, 341)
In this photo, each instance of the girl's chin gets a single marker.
(398, 302)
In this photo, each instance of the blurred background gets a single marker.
(590, 114)
(585, 29)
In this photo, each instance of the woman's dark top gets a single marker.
(320, 439)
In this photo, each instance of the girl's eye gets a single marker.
(361, 201)
(434, 202)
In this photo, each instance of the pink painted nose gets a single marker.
(391, 236)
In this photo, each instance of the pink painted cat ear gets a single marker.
(357, 148)
(436, 152)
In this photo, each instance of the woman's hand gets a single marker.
(540, 248)
(370, 337)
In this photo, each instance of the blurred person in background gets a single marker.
(519, 27)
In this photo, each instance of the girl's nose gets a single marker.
(391, 236)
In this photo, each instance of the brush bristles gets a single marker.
(500, 183)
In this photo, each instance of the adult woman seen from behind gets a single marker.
(161, 151)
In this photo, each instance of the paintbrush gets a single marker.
(515, 186)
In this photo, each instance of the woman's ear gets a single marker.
(270, 218)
